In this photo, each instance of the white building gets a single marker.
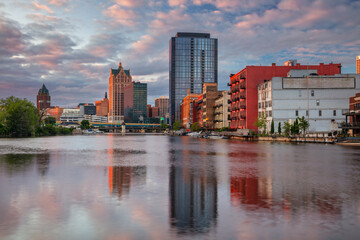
(222, 112)
(320, 99)
(95, 118)
(71, 115)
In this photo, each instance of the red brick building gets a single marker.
(243, 89)
(102, 106)
(353, 116)
(43, 98)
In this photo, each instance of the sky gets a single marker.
(71, 45)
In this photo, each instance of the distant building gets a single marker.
(352, 117)
(118, 80)
(163, 105)
(43, 98)
(222, 113)
(188, 109)
(87, 109)
(55, 112)
(322, 100)
(193, 62)
(102, 106)
(95, 118)
(135, 102)
(358, 64)
(243, 88)
(71, 115)
(210, 93)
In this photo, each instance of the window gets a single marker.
(296, 113)
(299, 93)
(312, 93)
(334, 113)
(320, 113)
(317, 102)
(307, 112)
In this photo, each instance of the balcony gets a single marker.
(355, 125)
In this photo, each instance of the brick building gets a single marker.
(102, 106)
(243, 88)
(43, 98)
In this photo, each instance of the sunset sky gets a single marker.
(71, 45)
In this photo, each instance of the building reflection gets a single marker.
(253, 188)
(193, 192)
(121, 178)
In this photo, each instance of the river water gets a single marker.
(162, 187)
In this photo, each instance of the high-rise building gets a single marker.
(43, 98)
(102, 106)
(193, 61)
(358, 64)
(243, 88)
(87, 108)
(135, 100)
(118, 80)
(163, 105)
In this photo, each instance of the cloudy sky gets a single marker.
(70, 45)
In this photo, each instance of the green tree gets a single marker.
(272, 130)
(261, 122)
(195, 127)
(287, 128)
(296, 126)
(279, 128)
(85, 124)
(50, 120)
(303, 124)
(19, 117)
(176, 125)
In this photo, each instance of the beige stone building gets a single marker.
(118, 80)
(222, 111)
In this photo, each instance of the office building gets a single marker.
(102, 106)
(322, 100)
(55, 112)
(358, 64)
(118, 80)
(163, 105)
(87, 108)
(135, 102)
(43, 98)
(193, 62)
(243, 88)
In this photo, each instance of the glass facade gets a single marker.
(193, 61)
(140, 101)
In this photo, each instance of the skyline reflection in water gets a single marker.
(160, 187)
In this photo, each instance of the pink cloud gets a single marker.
(43, 7)
(174, 3)
(143, 44)
(122, 16)
(58, 2)
(130, 3)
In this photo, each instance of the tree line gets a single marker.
(20, 118)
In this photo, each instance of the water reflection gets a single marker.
(120, 178)
(193, 191)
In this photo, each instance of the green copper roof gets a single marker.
(43, 90)
(117, 71)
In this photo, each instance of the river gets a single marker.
(163, 187)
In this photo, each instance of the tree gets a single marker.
(195, 127)
(50, 120)
(296, 126)
(85, 124)
(176, 125)
(261, 122)
(19, 117)
(279, 128)
(287, 128)
(272, 127)
(303, 124)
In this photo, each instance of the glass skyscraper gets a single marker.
(193, 61)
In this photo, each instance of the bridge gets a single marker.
(116, 127)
